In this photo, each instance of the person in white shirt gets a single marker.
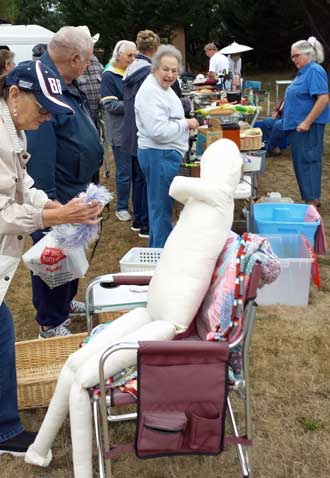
(219, 63)
(163, 133)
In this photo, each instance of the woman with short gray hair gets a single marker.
(163, 133)
(166, 50)
(112, 100)
(306, 111)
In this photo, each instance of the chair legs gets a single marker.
(243, 453)
(98, 437)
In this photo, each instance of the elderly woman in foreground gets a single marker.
(163, 133)
(29, 95)
(306, 111)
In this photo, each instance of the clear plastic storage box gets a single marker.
(292, 285)
(279, 218)
(140, 259)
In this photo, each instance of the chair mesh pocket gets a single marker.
(162, 431)
(205, 433)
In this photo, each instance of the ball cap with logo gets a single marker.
(37, 78)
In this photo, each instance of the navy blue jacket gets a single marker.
(65, 152)
(129, 131)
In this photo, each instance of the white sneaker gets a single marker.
(77, 308)
(123, 215)
(59, 331)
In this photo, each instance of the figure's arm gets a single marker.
(157, 125)
(42, 146)
(109, 96)
(183, 189)
(319, 105)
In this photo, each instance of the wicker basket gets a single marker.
(251, 141)
(38, 364)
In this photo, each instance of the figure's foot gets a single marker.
(314, 202)
(18, 445)
(123, 215)
(59, 331)
(136, 226)
(33, 457)
(77, 308)
(144, 232)
(274, 152)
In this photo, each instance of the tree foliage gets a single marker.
(268, 26)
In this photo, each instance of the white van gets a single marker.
(22, 38)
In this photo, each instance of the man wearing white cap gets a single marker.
(90, 81)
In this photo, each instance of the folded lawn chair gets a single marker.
(183, 386)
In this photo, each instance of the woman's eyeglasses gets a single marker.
(41, 109)
(294, 57)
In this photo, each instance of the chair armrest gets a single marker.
(127, 278)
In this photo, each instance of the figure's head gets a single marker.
(304, 51)
(123, 54)
(166, 65)
(85, 29)
(71, 50)
(222, 162)
(38, 50)
(147, 42)
(7, 62)
(33, 92)
(210, 49)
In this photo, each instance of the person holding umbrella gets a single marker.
(234, 51)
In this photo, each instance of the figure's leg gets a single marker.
(10, 424)
(139, 194)
(306, 151)
(277, 135)
(81, 431)
(39, 452)
(88, 376)
(52, 305)
(123, 163)
(88, 373)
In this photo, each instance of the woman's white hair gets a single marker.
(121, 47)
(310, 47)
(166, 50)
(68, 39)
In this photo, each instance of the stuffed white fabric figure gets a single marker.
(186, 265)
(176, 291)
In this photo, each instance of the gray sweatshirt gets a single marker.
(160, 118)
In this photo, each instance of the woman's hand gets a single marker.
(192, 123)
(303, 127)
(319, 105)
(73, 212)
(52, 204)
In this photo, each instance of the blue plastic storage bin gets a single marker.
(282, 218)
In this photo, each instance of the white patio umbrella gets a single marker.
(235, 48)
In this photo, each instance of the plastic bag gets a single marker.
(54, 264)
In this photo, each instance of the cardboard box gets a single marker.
(205, 137)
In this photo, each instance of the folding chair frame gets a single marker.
(102, 402)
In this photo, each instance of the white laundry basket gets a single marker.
(140, 259)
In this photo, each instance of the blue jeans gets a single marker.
(52, 305)
(272, 133)
(306, 152)
(128, 172)
(159, 167)
(123, 162)
(10, 424)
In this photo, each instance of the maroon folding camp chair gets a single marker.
(183, 393)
